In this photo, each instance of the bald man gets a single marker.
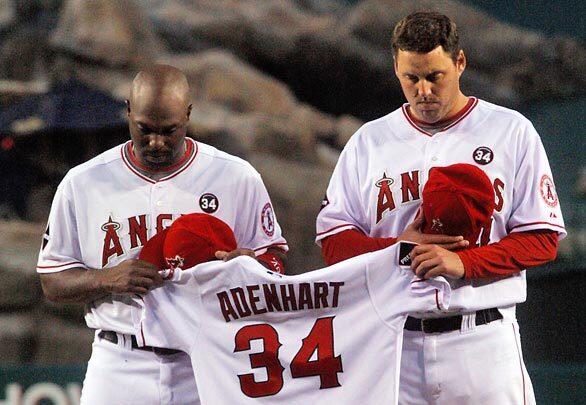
(106, 209)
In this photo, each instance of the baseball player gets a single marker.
(105, 210)
(257, 336)
(375, 193)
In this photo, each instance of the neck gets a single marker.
(461, 105)
(157, 173)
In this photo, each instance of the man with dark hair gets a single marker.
(473, 355)
(105, 210)
(422, 32)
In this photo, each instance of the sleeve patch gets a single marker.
(267, 219)
(547, 191)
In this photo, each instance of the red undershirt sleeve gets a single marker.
(510, 255)
(350, 243)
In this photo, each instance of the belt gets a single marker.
(450, 323)
(111, 336)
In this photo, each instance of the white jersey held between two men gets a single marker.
(329, 335)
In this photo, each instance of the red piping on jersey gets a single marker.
(538, 223)
(136, 162)
(520, 364)
(268, 246)
(191, 144)
(60, 265)
(340, 226)
(463, 113)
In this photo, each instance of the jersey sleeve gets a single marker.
(60, 248)
(341, 208)
(169, 316)
(257, 227)
(396, 291)
(535, 200)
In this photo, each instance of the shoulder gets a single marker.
(94, 166)
(502, 114)
(226, 161)
(377, 131)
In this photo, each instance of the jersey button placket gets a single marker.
(156, 201)
(434, 151)
(429, 153)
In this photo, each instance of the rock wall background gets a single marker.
(282, 83)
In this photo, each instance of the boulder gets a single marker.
(219, 77)
(261, 113)
(108, 32)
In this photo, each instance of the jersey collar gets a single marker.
(132, 162)
(443, 125)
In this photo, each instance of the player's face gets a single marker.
(430, 82)
(158, 128)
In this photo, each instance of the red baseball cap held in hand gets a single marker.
(459, 200)
(191, 240)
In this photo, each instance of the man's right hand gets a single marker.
(413, 234)
(130, 277)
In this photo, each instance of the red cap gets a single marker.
(152, 251)
(458, 200)
(195, 238)
(192, 239)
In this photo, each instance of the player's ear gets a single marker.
(460, 62)
(127, 102)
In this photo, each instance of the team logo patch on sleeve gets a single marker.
(547, 189)
(267, 220)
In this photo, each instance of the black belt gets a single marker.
(450, 323)
(111, 336)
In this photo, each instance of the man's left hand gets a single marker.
(429, 261)
(225, 256)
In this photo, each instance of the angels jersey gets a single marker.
(377, 183)
(104, 211)
(327, 336)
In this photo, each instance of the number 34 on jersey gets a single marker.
(315, 358)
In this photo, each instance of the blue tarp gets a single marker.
(69, 105)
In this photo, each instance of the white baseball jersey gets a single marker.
(104, 211)
(377, 184)
(327, 336)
